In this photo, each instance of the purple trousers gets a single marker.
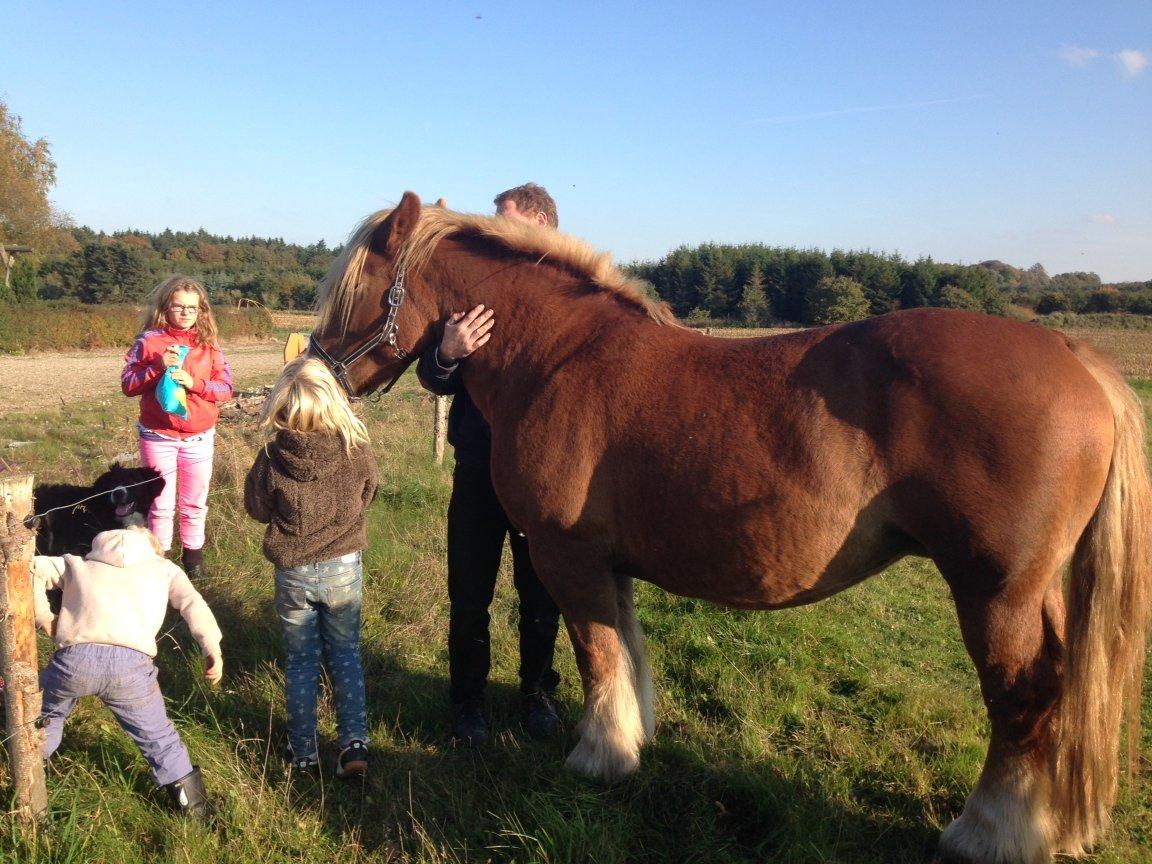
(125, 681)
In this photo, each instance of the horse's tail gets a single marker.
(1107, 625)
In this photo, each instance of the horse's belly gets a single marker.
(765, 565)
(753, 587)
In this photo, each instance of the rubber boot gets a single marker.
(193, 562)
(188, 796)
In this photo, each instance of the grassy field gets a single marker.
(848, 731)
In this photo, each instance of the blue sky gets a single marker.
(1020, 130)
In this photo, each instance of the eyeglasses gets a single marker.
(177, 309)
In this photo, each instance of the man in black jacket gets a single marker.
(477, 526)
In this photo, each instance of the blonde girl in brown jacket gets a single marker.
(310, 484)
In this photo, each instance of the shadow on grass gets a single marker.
(512, 800)
(750, 811)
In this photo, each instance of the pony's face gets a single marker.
(73, 515)
(126, 495)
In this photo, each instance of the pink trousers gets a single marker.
(186, 467)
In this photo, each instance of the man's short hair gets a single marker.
(531, 198)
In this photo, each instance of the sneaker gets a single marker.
(468, 724)
(538, 715)
(309, 765)
(353, 760)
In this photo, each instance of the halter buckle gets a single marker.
(387, 335)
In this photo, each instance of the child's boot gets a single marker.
(193, 562)
(188, 796)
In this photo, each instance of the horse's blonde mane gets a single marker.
(340, 287)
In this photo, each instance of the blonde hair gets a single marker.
(306, 398)
(156, 315)
(344, 284)
(152, 538)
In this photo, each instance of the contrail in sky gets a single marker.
(796, 118)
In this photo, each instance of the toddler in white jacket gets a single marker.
(114, 602)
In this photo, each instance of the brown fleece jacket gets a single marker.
(312, 496)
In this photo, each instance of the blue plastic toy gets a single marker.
(172, 395)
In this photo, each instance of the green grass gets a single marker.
(848, 731)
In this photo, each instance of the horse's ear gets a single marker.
(441, 203)
(401, 223)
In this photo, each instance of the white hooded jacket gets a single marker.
(118, 594)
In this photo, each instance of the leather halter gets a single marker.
(386, 335)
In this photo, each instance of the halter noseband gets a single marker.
(386, 335)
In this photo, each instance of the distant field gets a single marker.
(1131, 349)
(748, 332)
(35, 382)
(293, 320)
(51, 378)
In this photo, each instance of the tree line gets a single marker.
(757, 285)
(124, 266)
(750, 284)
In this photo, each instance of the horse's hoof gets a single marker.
(600, 760)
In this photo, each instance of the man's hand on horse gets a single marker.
(464, 332)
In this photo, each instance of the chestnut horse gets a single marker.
(766, 473)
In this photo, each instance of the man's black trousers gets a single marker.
(477, 526)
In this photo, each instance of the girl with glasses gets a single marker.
(179, 447)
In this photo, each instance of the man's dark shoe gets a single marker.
(538, 715)
(468, 724)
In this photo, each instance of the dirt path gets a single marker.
(37, 382)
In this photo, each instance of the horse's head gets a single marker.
(374, 319)
(386, 294)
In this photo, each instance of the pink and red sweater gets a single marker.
(211, 381)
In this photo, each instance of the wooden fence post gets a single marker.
(18, 660)
(440, 429)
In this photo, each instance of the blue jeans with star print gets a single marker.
(319, 609)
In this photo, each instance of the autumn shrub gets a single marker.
(835, 299)
(62, 325)
(238, 324)
(1097, 321)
